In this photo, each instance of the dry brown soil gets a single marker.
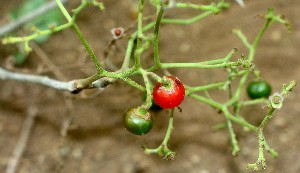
(97, 141)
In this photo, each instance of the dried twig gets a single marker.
(43, 56)
(241, 3)
(23, 141)
(69, 103)
(43, 80)
(72, 86)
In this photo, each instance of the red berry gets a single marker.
(169, 93)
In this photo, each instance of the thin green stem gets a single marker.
(208, 101)
(155, 33)
(267, 118)
(123, 75)
(148, 89)
(199, 65)
(216, 63)
(126, 61)
(138, 51)
(163, 149)
(33, 36)
(131, 45)
(263, 145)
(260, 34)
(224, 109)
(187, 21)
(270, 150)
(64, 11)
(140, 19)
(204, 87)
(234, 142)
(196, 6)
(154, 76)
(261, 158)
(243, 38)
(170, 128)
(254, 102)
(238, 120)
(238, 91)
(133, 83)
(210, 9)
(81, 37)
(252, 51)
(88, 49)
(79, 9)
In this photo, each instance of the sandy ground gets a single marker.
(97, 141)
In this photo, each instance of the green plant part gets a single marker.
(259, 89)
(138, 121)
(154, 107)
(169, 92)
(276, 100)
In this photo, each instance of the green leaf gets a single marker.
(20, 58)
(28, 6)
(53, 17)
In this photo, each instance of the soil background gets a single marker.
(97, 141)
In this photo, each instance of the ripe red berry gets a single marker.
(169, 93)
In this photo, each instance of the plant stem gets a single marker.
(84, 83)
(155, 33)
(187, 21)
(205, 87)
(64, 10)
(216, 63)
(81, 37)
(234, 142)
(139, 51)
(252, 51)
(238, 120)
(208, 101)
(148, 89)
(257, 40)
(88, 49)
(126, 61)
(243, 38)
(163, 149)
(170, 128)
(13, 40)
(199, 65)
(253, 102)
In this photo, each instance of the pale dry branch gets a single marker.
(71, 86)
(241, 3)
(43, 80)
(23, 140)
